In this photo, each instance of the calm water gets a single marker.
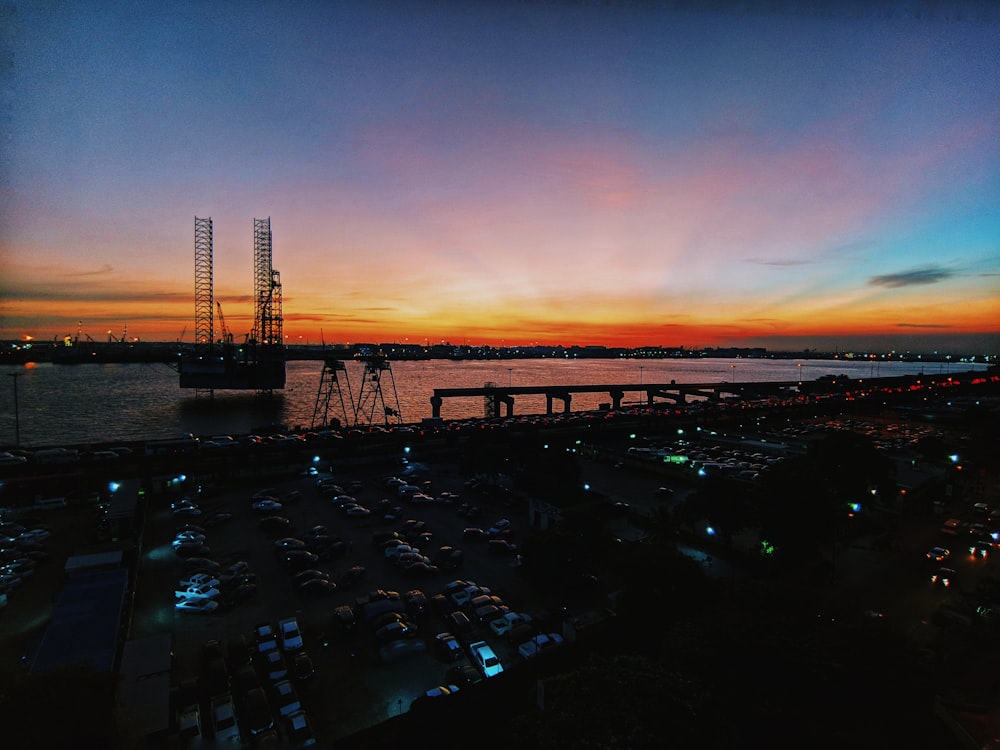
(66, 404)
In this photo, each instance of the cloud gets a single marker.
(922, 325)
(106, 268)
(782, 263)
(914, 277)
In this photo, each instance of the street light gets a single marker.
(510, 376)
(640, 374)
(17, 413)
(733, 368)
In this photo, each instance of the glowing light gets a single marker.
(710, 531)
(113, 486)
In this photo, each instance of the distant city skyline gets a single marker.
(506, 173)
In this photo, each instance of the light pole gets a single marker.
(733, 368)
(17, 413)
(510, 376)
(640, 374)
(800, 373)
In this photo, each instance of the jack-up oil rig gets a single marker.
(219, 363)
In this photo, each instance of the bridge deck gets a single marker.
(616, 392)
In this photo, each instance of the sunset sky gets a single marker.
(506, 172)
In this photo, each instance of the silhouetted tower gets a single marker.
(490, 404)
(267, 326)
(372, 395)
(204, 324)
(334, 371)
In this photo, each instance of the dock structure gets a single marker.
(650, 393)
(217, 362)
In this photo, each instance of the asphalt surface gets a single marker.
(351, 689)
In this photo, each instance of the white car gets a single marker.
(197, 592)
(291, 637)
(485, 659)
(503, 625)
(198, 606)
(199, 579)
(224, 719)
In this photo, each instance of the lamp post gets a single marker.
(800, 372)
(17, 413)
(640, 374)
(733, 368)
(510, 376)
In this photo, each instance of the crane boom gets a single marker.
(222, 323)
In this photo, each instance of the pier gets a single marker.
(677, 393)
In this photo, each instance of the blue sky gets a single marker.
(564, 172)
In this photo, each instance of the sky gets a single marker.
(507, 172)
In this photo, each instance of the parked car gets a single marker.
(258, 713)
(266, 637)
(938, 554)
(198, 606)
(474, 535)
(485, 659)
(447, 647)
(299, 731)
(287, 544)
(301, 667)
(291, 636)
(234, 572)
(298, 559)
(416, 601)
(273, 524)
(224, 724)
(266, 505)
(499, 527)
(351, 576)
(191, 549)
(463, 674)
(273, 665)
(943, 577)
(395, 630)
(189, 536)
(317, 587)
(202, 564)
(344, 618)
(216, 518)
(285, 698)
(201, 591)
(458, 622)
(199, 579)
(442, 691)
(540, 643)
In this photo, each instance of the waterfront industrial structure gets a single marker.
(219, 363)
(371, 405)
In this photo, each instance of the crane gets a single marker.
(227, 337)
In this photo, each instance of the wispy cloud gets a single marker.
(922, 325)
(913, 277)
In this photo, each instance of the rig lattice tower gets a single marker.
(334, 371)
(204, 323)
(266, 288)
(372, 393)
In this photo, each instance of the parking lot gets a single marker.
(352, 688)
